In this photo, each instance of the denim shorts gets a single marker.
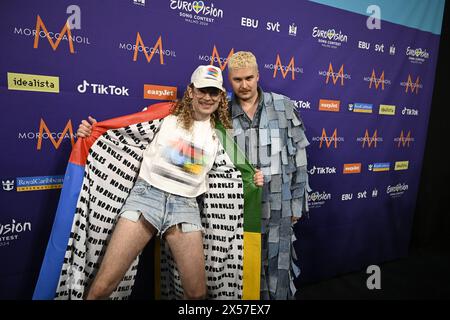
(161, 209)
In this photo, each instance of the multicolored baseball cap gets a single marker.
(208, 76)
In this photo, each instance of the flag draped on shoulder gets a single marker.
(100, 174)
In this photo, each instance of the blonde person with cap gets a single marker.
(163, 200)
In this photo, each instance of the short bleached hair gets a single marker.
(242, 59)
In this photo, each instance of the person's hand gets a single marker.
(258, 178)
(295, 219)
(85, 128)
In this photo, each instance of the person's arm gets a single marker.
(258, 178)
(85, 128)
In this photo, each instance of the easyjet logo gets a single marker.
(66, 29)
(45, 132)
(404, 140)
(329, 105)
(157, 48)
(413, 86)
(351, 168)
(157, 92)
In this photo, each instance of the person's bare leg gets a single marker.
(127, 241)
(187, 250)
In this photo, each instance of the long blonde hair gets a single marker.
(185, 113)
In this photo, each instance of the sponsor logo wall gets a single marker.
(364, 96)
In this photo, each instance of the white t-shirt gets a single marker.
(177, 161)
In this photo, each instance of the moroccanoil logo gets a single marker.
(370, 140)
(329, 140)
(351, 168)
(157, 92)
(283, 68)
(32, 82)
(157, 48)
(401, 165)
(388, 110)
(329, 105)
(404, 140)
(45, 132)
(376, 82)
(66, 29)
(412, 86)
(335, 76)
(215, 58)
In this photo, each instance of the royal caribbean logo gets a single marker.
(329, 38)
(284, 69)
(140, 47)
(318, 199)
(216, 59)
(360, 107)
(380, 167)
(418, 55)
(368, 140)
(11, 231)
(397, 190)
(39, 183)
(328, 141)
(55, 38)
(377, 82)
(335, 76)
(412, 86)
(33, 82)
(404, 139)
(197, 12)
(8, 185)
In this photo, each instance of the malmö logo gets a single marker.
(412, 86)
(404, 140)
(66, 29)
(68, 131)
(157, 48)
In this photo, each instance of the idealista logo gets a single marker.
(329, 105)
(370, 141)
(45, 133)
(39, 183)
(10, 231)
(418, 55)
(215, 58)
(409, 85)
(377, 82)
(149, 52)
(330, 74)
(197, 12)
(72, 23)
(102, 89)
(329, 140)
(401, 165)
(157, 92)
(387, 110)
(380, 167)
(284, 69)
(8, 185)
(397, 190)
(322, 170)
(32, 82)
(360, 107)
(404, 140)
(317, 199)
(329, 38)
(351, 168)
